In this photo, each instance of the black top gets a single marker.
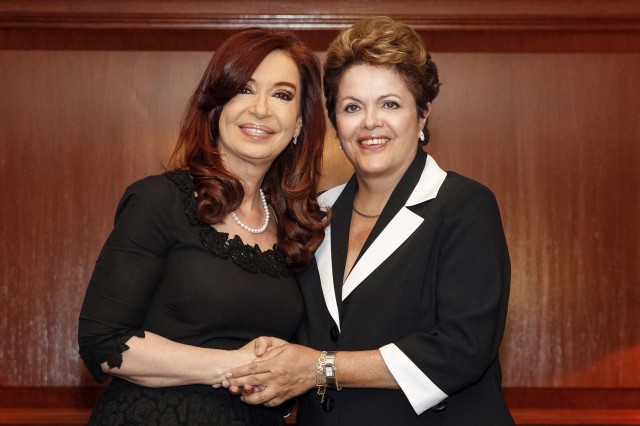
(438, 289)
(165, 271)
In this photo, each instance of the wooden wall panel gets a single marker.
(77, 127)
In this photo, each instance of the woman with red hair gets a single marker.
(200, 260)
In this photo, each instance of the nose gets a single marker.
(371, 119)
(260, 107)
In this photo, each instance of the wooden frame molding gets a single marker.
(453, 25)
(225, 21)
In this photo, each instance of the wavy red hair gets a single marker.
(291, 183)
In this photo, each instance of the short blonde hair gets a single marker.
(382, 41)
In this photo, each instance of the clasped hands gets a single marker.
(279, 372)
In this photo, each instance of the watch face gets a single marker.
(328, 371)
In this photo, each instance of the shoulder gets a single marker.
(329, 197)
(169, 183)
(150, 195)
(152, 189)
(456, 186)
(462, 195)
(148, 184)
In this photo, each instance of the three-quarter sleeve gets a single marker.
(126, 274)
(472, 288)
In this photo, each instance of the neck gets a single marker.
(374, 190)
(369, 202)
(250, 175)
(251, 202)
(373, 194)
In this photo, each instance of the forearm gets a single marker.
(291, 370)
(155, 361)
(363, 369)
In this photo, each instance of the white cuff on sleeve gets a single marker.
(421, 392)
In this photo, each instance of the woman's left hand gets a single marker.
(262, 344)
(280, 374)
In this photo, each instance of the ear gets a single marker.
(425, 116)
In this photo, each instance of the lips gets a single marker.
(257, 130)
(372, 141)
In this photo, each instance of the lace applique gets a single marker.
(110, 350)
(249, 258)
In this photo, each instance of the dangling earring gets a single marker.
(295, 140)
(421, 136)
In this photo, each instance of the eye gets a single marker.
(284, 95)
(246, 90)
(390, 105)
(352, 108)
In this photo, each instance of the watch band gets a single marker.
(330, 370)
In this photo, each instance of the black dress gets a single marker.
(165, 271)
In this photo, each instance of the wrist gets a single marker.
(331, 371)
(326, 373)
(224, 360)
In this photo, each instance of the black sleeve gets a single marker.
(472, 294)
(126, 274)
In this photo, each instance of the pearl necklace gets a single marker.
(266, 218)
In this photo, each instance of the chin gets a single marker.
(371, 171)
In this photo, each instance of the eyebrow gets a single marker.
(286, 83)
(281, 83)
(378, 99)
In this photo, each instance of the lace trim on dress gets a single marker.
(249, 258)
(109, 351)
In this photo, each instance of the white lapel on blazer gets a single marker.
(323, 257)
(404, 223)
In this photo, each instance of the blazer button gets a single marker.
(441, 406)
(328, 404)
(334, 333)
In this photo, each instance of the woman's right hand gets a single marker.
(282, 373)
(259, 349)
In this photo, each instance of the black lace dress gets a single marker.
(165, 271)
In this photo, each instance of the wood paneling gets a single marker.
(77, 127)
(539, 102)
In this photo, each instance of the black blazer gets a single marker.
(433, 280)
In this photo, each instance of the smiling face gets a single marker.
(258, 123)
(377, 121)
